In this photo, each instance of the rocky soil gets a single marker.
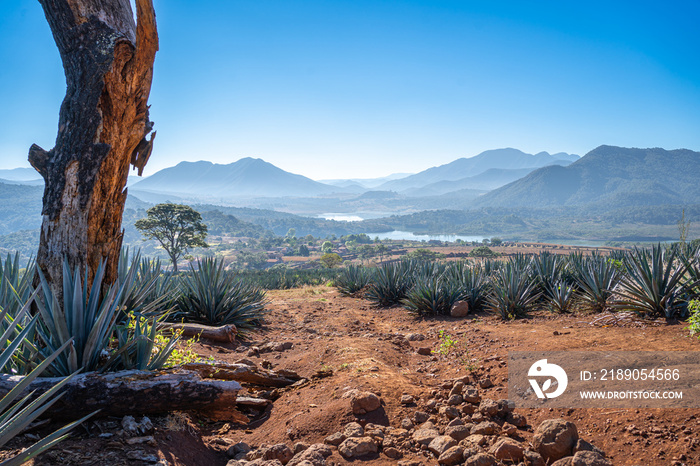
(383, 388)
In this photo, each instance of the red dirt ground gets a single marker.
(359, 343)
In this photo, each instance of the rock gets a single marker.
(516, 419)
(451, 456)
(450, 412)
(425, 435)
(407, 424)
(335, 439)
(234, 463)
(407, 400)
(425, 351)
(485, 383)
(507, 449)
(555, 439)
(485, 428)
(357, 446)
(140, 455)
(354, 429)
(364, 402)
(481, 459)
(458, 432)
(454, 400)
(460, 309)
(392, 453)
(488, 407)
(505, 407)
(415, 337)
(475, 439)
(471, 395)
(240, 447)
(457, 387)
(138, 440)
(455, 422)
(299, 447)
(279, 452)
(532, 458)
(589, 458)
(508, 429)
(419, 417)
(563, 461)
(582, 445)
(315, 455)
(441, 444)
(131, 427)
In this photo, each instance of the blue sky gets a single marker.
(363, 88)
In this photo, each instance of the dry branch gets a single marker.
(225, 333)
(244, 374)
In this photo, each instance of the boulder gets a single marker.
(451, 456)
(460, 309)
(507, 449)
(279, 452)
(555, 439)
(441, 444)
(364, 402)
(481, 459)
(354, 429)
(425, 435)
(458, 432)
(589, 458)
(357, 446)
(485, 428)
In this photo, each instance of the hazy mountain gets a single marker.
(490, 179)
(19, 174)
(368, 183)
(610, 177)
(247, 177)
(468, 167)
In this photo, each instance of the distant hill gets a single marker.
(609, 177)
(247, 177)
(365, 182)
(19, 174)
(490, 179)
(473, 166)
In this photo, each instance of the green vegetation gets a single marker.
(176, 227)
(213, 296)
(330, 260)
(353, 279)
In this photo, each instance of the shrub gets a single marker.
(433, 295)
(390, 284)
(652, 284)
(213, 296)
(513, 292)
(352, 279)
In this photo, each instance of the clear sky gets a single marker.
(363, 88)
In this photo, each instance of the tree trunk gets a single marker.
(103, 124)
(223, 334)
(132, 392)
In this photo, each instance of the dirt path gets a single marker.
(368, 349)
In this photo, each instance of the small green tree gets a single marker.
(327, 247)
(176, 227)
(496, 241)
(304, 250)
(330, 260)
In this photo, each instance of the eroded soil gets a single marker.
(366, 349)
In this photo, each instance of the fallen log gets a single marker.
(243, 373)
(224, 334)
(132, 392)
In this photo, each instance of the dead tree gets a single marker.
(103, 127)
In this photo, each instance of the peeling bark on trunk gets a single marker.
(103, 128)
(223, 334)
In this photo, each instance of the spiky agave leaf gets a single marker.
(352, 279)
(596, 277)
(653, 284)
(512, 291)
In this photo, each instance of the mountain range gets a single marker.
(607, 177)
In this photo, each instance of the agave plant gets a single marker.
(352, 279)
(513, 292)
(211, 295)
(87, 319)
(15, 283)
(141, 346)
(560, 296)
(147, 290)
(15, 413)
(390, 284)
(472, 282)
(546, 270)
(653, 284)
(596, 277)
(433, 295)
